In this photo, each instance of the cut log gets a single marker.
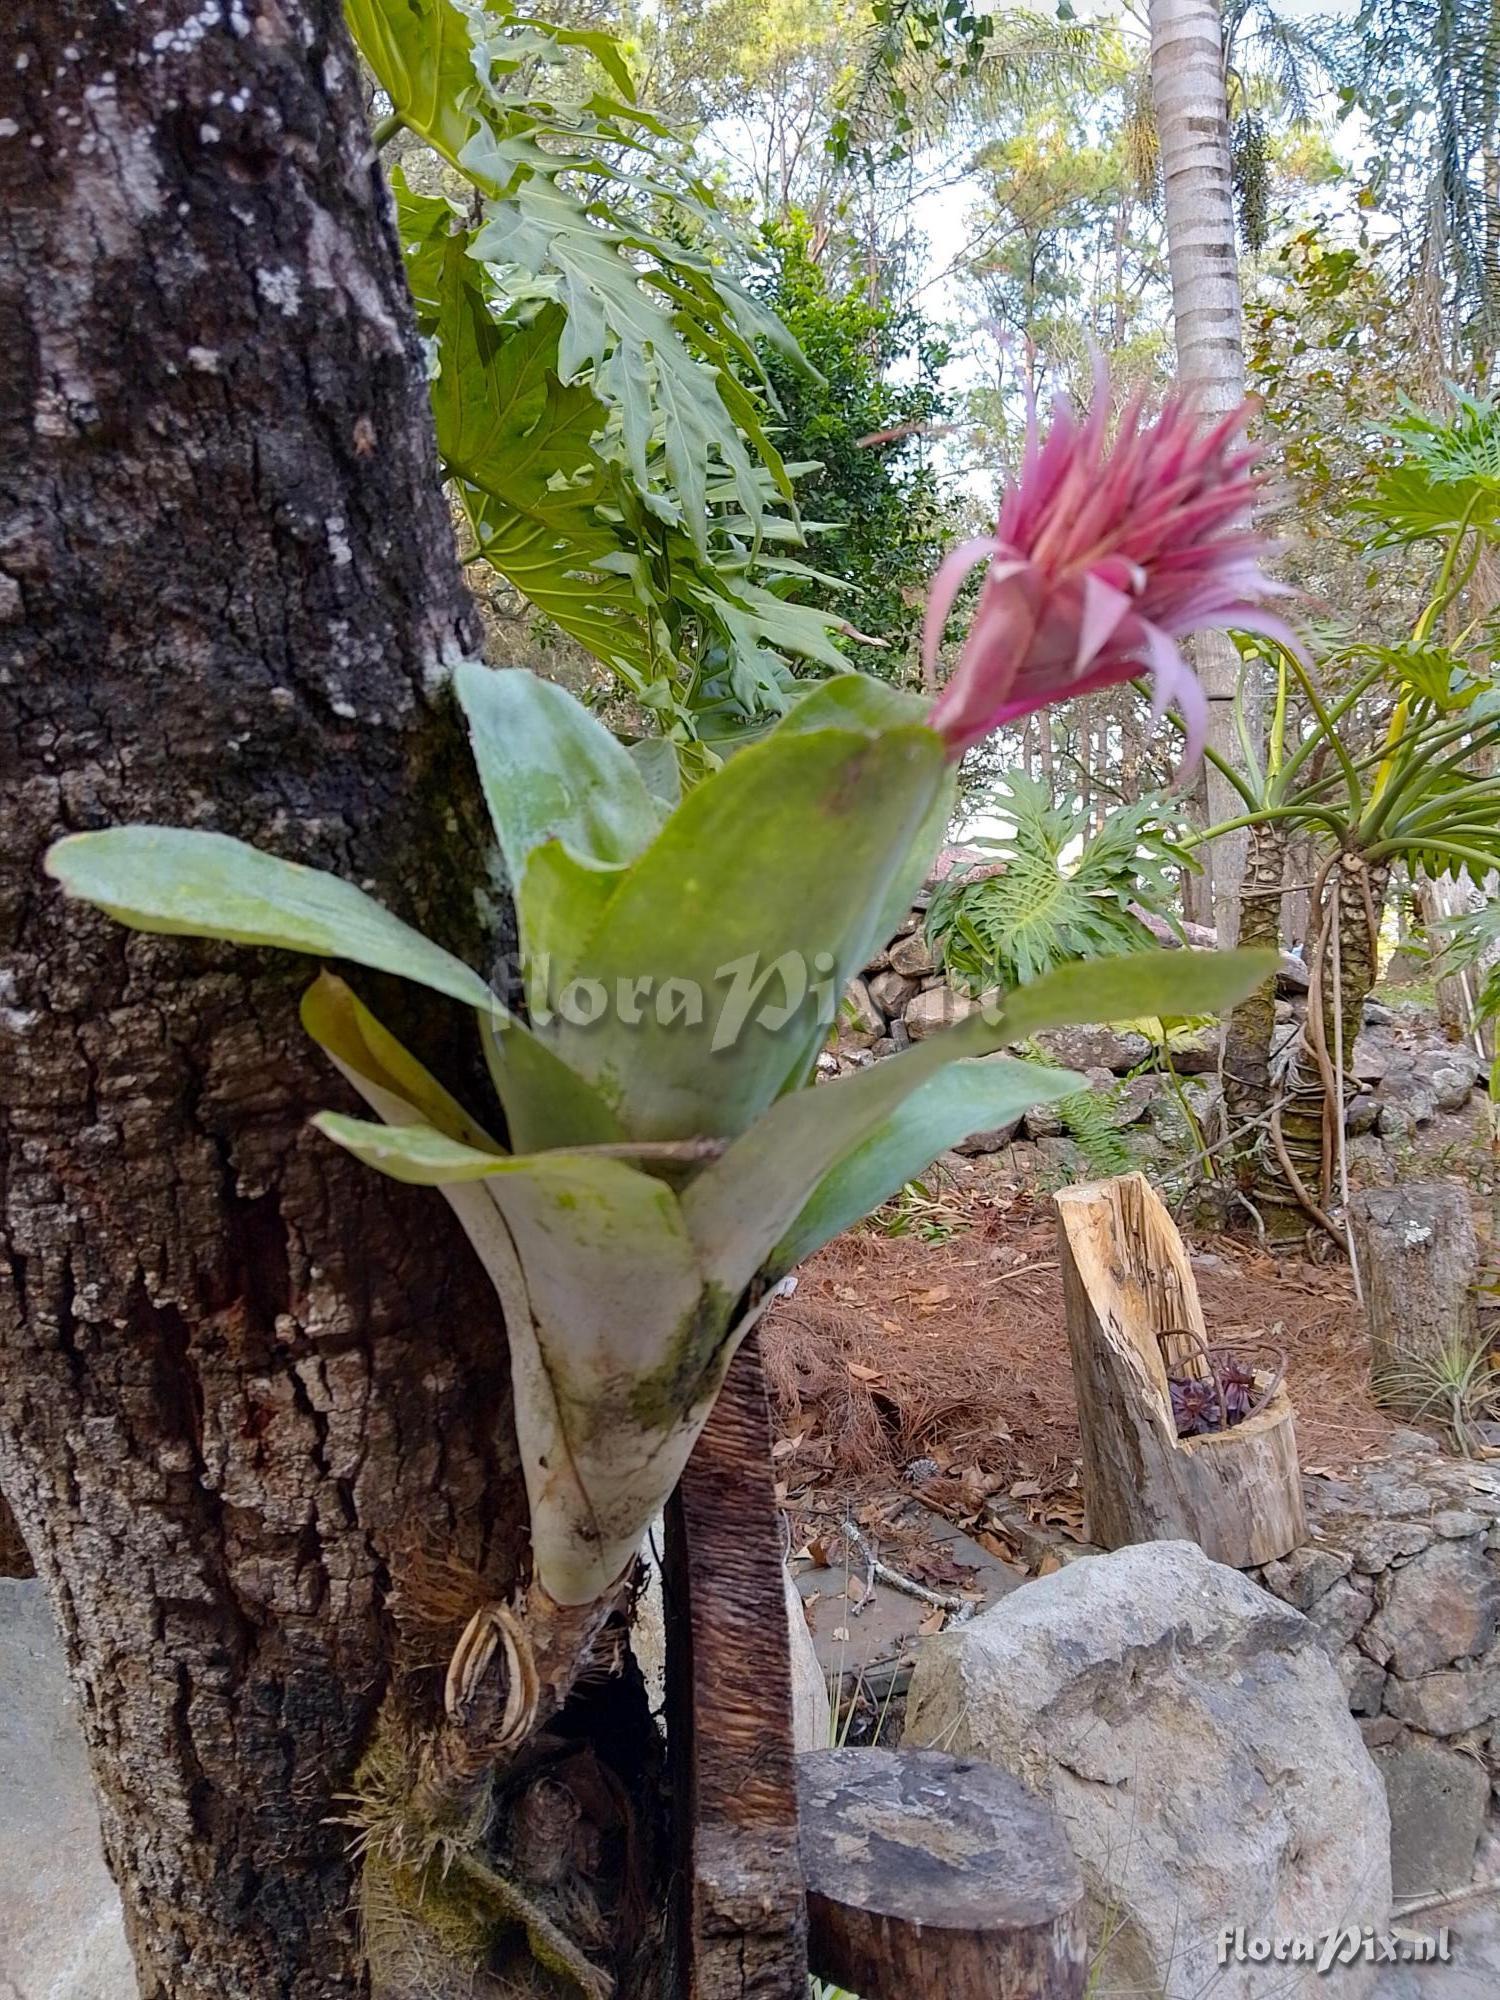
(729, 1710)
(1419, 1261)
(930, 1874)
(1128, 1286)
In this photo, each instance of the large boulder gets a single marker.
(62, 1934)
(1194, 1737)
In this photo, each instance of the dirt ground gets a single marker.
(925, 1355)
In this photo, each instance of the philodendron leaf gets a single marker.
(614, 1335)
(741, 1208)
(184, 883)
(729, 940)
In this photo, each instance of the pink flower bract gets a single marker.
(1107, 552)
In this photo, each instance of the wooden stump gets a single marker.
(729, 1710)
(1127, 1281)
(1419, 1262)
(930, 1875)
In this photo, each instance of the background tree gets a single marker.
(1188, 92)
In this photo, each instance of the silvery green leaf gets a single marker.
(760, 896)
(182, 883)
(617, 1343)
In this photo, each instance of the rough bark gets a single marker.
(744, 1929)
(1192, 123)
(239, 1375)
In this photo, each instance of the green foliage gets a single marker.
(1447, 477)
(602, 408)
(1047, 905)
(881, 525)
(665, 1167)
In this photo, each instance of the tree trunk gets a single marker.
(1192, 122)
(241, 1377)
(1420, 1259)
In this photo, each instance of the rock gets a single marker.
(1095, 1048)
(912, 956)
(1059, 1160)
(1193, 1736)
(991, 1141)
(62, 1934)
(1302, 1577)
(1440, 1607)
(1453, 1524)
(938, 1008)
(1292, 976)
(910, 922)
(1403, 1088)
(1449, 1702)
(1393, 1123)
(886, 1046)
(1437, 1799)
(1385, 1542)
(1128, 1101)
(1043, 1121)
(1342, 1611)
(860, 1012)
(1195, 1051)
(1452, 1083)
(1374, 1015)
(1372, 1057)
(891, 990)
(1362, 1114)
(1364, 1682)
(900, 1035)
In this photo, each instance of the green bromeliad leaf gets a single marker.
(760, 896)
(184, 883)
(552, 771)
(369, 1054)
(754, 1198)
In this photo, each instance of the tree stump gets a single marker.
(937, 1875)
(729, 1710)
(1418, 1260)
(1127, 1281)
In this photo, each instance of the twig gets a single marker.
(958, 1608)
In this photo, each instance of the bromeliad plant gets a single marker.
(663, 1165)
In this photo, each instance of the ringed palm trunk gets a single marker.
(245, 1384)
(1192, 123)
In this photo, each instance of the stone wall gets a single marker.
(1417, 1098)
(1401, 1578)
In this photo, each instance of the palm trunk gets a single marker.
(1192, 121)
(245, 1385)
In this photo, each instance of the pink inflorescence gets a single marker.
(1106, 553)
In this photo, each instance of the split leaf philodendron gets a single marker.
(682, 967)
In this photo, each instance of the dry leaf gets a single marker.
(935, 1620)
(1023, 1489)
(784, 1447)
(841, 1633)
(854, 1590)
(935, 1297)
(1049, 1564)
(862, 1374)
